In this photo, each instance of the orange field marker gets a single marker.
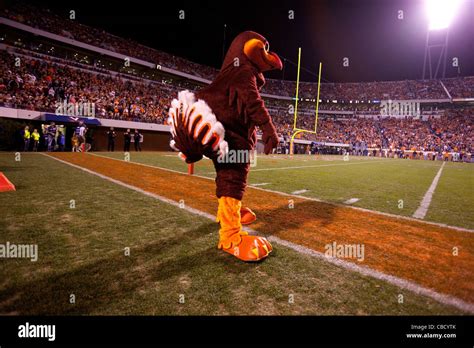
(5, 184)
(191, 169)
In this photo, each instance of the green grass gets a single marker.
(81, 252)
(453, 200)
(379, 184)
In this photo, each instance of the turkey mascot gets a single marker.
(222, 118)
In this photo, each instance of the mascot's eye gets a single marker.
(267, 46)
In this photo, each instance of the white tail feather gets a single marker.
(191, 108)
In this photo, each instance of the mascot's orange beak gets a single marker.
(258, 53)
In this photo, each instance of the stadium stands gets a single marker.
(402, 90)
(40, 84)
(43, 80)
(44, 19)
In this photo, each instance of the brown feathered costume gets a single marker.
(221, 118)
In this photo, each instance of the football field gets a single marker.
(137, 236)
(385, 185)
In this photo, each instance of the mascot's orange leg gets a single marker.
(232, 239)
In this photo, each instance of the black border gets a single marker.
(242, 331)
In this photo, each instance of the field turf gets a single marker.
(174, 267)
(378, 184)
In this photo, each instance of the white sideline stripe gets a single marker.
(351, 201)
(131, 187)
(401, 283)
(149, 165)
(425, 203)
(298, 192)
(404, 284)
(302, 167)
(402, 217)
(261, 184)
(312, 166)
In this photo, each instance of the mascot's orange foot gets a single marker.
(247, 216)
(250, 248)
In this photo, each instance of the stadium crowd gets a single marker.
(40, 85)
(42, 18)
(365, 91)
(40, 82)
(462, 87)
(452, 132)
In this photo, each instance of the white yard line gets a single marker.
(425, 203)
(402, 217)
(298, 192)
(312, 166)
(399, 282)
(351, 200)
(131, 187)
(148, 165)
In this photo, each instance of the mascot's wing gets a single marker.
(194, 129)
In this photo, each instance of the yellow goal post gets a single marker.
(297, 130)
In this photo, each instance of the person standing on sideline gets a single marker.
(111, 135)
(51, 135)
(61, 141)
(45, 135)
(80, 133)
(26, 138)
(137, 137)
(75, 143)
(127, 139)
(36, 137)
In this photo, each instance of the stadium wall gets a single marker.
(152, 140)
(156, 137)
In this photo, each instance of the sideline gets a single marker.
(399, 282)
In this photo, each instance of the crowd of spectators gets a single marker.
(365, 91)
(396, 90)
(38, 84)
(461, 87)
(454, 131)
(42, 18)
